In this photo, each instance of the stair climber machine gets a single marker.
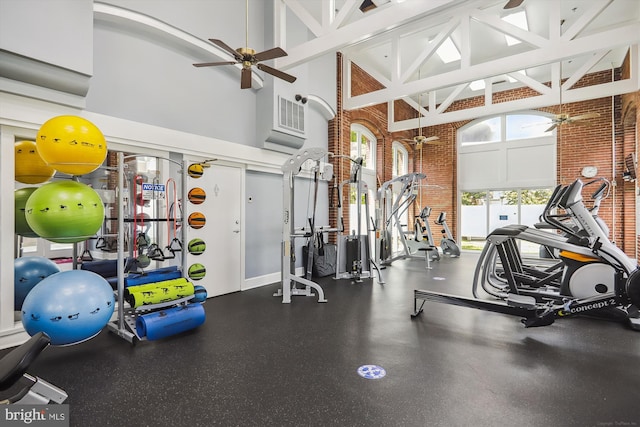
(390, 207)
(354, 259)
(591, 276)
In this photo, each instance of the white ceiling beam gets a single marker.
(393, 16)
(395, 55)
(465, 47)
(328, 13)
(584, 69)
(551, 96)
(431, 49)
(624, 35)
(303, 15)
(531, 83)
(604, 90)
(452, 97)
(585, 19)
(347, 10)
(504, 27)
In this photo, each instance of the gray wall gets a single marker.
(263, 223)
(264, 215)
(58, 32)
(144, 79)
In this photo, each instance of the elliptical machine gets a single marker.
(591, 263)
(448, 245)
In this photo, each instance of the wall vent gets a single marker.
(291, 115)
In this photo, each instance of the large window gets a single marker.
(507, 168)
(484, 211)
(400, 167)
(363, 144)
(400, 160)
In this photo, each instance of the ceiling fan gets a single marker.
(249, 57)
(511, 4)
(420, 139)
(564, 118)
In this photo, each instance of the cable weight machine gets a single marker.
(354, 259)
(290, 281)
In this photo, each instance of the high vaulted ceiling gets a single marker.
(397, 43)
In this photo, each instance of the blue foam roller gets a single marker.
(159, 275)
(164, 323)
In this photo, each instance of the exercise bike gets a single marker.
(447, 244)
(612, 279)
(422, 240)
(17, 386)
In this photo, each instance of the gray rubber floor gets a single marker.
(257, 362)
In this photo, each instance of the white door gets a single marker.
(221, 232)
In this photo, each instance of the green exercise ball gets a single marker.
(65, 212)
(21, 226)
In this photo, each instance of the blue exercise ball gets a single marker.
(70, 306)
(28, 272)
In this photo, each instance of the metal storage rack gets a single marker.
(125, 323)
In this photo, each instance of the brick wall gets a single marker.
(582, 144)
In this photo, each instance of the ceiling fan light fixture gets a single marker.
(367, 5)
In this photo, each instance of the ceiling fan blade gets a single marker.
(245, 78)
(430, 138)
(277, 73)
(214, 64)
(226, 47)
(584, 116)
(552, 127)
(512, 3)
(276, 52)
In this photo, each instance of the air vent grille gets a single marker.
(291, 115)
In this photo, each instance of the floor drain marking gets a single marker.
(371, 372)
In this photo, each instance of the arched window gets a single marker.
(400, 160)
(508, 127)
(363, 144)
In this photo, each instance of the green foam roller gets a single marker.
(161, 294)
(150, 286)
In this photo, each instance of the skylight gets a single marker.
(477, 85)
(519, 19)
(448, 52)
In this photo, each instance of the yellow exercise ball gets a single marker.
(71, 144)
(29, 166)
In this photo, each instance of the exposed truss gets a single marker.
(396, 25)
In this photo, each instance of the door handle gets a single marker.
(236, 231)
